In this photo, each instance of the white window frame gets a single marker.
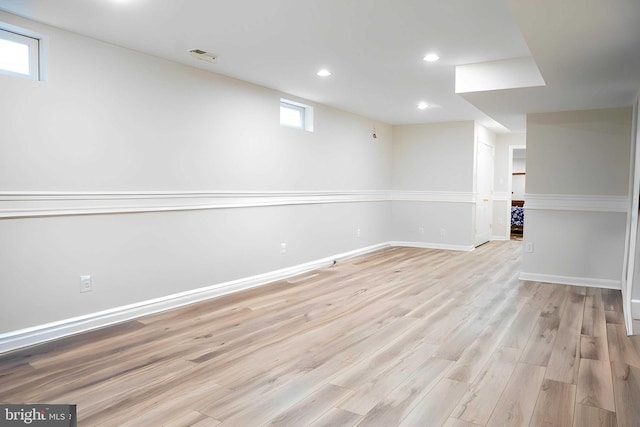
(306, 114)
(34, 53)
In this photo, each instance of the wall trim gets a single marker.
(427, 245)
(570, 280)
(55, 330)
(44, 204)
(34, 204)
(574, 202)
(635, 309)
(433, 196)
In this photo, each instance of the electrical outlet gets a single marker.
(529, 247)
(358, 232)
(443, 232)
(421, 230)
(283, 248)
(85, 284)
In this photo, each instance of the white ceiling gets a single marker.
(587, 51)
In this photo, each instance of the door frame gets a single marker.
(510, 187)
(632, 252)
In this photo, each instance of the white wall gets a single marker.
(432, 178)
(433, 157)
(111, 126)
(579, 152)
(577, 184)
(110, 118)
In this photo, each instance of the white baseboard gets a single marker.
(427, 245)
(501, 238)
(570, 280)
(63, 328)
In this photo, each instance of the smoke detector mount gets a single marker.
(204, 55)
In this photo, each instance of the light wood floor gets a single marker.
(409, 337)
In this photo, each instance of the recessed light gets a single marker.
(432, 57)
(422, 105)
(324, 73)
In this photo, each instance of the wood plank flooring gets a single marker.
(400, 337)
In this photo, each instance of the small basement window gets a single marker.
(19, 55)
(296, 115)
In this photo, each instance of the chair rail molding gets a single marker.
(33, 204)
(575, 202)
(15, 205)
(433, 196)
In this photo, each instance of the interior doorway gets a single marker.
(517, 190)
(484, 189)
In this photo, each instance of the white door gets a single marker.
(484, 187)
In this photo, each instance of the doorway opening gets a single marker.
(485, 154)
(517, 185)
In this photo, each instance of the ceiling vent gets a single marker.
(204, 56)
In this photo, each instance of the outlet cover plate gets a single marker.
(85, 284)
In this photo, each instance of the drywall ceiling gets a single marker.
(586, 51)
